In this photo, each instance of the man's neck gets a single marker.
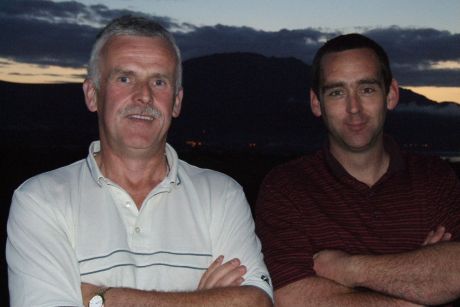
(366, 166)
(138, 176)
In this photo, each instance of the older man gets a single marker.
(132, 225)
(360, 223)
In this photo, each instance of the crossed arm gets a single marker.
(219, 286)
(429, 275)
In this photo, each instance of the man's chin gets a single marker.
(356, 144)
(137, 144)
(361, 145)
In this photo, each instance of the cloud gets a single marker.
(218, 39)
(48, 33)
(414, 52)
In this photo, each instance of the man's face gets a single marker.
(352, 99)
(136, 99)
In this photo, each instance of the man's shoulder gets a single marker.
(54, 179)
(417, 162)
(300, 166)
(199, 175)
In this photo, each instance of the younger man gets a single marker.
(360, 223)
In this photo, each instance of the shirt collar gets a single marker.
(397, 163)
(171, 157)
(173, 163)
(94, 148)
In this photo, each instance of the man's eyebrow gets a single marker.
(120, 71)
(369, 81)
(329, 86)
(160, 75)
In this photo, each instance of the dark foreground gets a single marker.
(19, 163)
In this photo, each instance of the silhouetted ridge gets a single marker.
(244, 98)
(233, 101)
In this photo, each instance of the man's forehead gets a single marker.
(129, 39)
(128, 46)
(352, 61)
(356, 53)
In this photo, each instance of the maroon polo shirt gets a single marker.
(312, 204)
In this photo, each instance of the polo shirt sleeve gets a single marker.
(445, 194)
(280, 226)
(233, 233)
(42, 267)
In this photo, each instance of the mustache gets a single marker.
(149, 111)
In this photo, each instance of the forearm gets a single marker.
(430, 275)
(318, 291)
(225, 296)
(361, 299)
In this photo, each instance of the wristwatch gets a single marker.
(98, 299)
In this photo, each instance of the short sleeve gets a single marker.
(42, 267)
(233, 235)
(287, 249)
(445, 193)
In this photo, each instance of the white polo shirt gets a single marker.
(72, 225)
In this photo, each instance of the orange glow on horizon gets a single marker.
(12, 71)
(438, 94)
(32, 73)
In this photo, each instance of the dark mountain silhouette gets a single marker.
(236, 101)
(248, 111)
(232, 100)
(45, 114)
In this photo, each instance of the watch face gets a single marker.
(96, 301)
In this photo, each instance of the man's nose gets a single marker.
(144, 93)
(354, 103)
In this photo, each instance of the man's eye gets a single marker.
(123, 79)
(368, 90)
(335, 93)
(159, 82)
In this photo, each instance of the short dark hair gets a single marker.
(347, 42)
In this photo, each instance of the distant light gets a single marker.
(194, 144)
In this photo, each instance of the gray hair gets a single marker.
(134, 26)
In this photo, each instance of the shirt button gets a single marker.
(137, 229)
(127, 204)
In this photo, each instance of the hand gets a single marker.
(439, 235)
(331, 264)
(221, 274)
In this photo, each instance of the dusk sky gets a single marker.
(49, 41)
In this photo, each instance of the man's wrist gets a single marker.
(356, 271)
(99, 298)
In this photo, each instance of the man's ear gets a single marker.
(177, 103)
(393, 95)
(90, 92)
(315, 104)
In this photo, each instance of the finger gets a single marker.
(447, 236)
(220, 272)
(214, 265)
(232, 278)
(238, 282)
(435, 236)
(438, 234)
(428, 238)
